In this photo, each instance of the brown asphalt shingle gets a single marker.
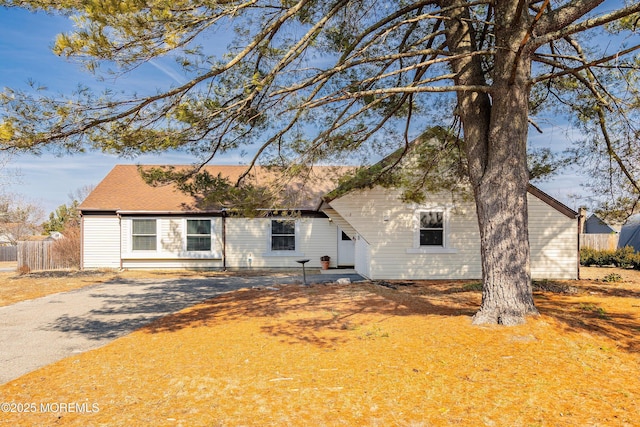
(123, 189)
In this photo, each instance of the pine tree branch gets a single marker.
(559, 23)
(590, 64)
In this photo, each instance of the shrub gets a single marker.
(612, 278)
(624, 257)
(474, 286)
(66, 251)
(589, 256)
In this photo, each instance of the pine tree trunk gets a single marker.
(495, 132)
(501, 203)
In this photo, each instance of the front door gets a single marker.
(346, 250)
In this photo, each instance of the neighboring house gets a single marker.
(127, 223)
(597, 234)
(630, 233)
(595, 225)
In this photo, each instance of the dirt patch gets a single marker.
(360, 354)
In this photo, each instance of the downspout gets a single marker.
(120, 239)
(582, 217)
(81, 241)
(582, 220)
(224, 239)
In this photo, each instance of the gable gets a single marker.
(554, 203)
(594, 225)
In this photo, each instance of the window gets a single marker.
(432, 231)
(432, 228)
(143, 234)
(198, 235)
(283, 235)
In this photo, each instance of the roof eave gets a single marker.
(554, 203)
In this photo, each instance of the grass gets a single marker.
(15, 287)
(359, 354)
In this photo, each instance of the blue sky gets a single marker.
(47, 180)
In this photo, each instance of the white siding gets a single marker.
(171, 235)
(390, 227)
(108, 239)
(158, 264)
(363, 257)
(554, 242)
(171, 248)
(101, 245)
(248, 243)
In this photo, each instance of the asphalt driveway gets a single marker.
(38, 332)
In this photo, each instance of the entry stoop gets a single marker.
(339, 271)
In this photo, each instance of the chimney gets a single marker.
(582, 219)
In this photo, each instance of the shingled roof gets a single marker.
(124, 190)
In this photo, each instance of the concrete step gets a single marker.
(338, 271)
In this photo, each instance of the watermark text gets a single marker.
(49, 407)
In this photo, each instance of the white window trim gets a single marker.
(160, 253)
(294, 253)
(185, 229)
(143, 251)
(445, 248)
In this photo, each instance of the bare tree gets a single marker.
(19, 219)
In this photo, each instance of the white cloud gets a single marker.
(172, 74)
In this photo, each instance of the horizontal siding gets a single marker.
(248, 243)
(171, 248)
(101, 245)
(554, 242)
(389, 227)
(158, 264)
(362, 257)
(171, 235)
(171, 252)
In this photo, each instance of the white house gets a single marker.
(440, 239)
(127, 223)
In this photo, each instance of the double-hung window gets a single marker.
(198, 235)
(431, 235)
(144, 235)
(431, 228)
(283, 235)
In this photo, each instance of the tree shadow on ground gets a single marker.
(578, 315)
(317, 314)
(321, 308)
(124, 305)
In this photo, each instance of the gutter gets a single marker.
(142, 212)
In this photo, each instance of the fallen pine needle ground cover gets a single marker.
(366, 354)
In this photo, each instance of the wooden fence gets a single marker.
(8, 253)
(599, 241)
(39, 256)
